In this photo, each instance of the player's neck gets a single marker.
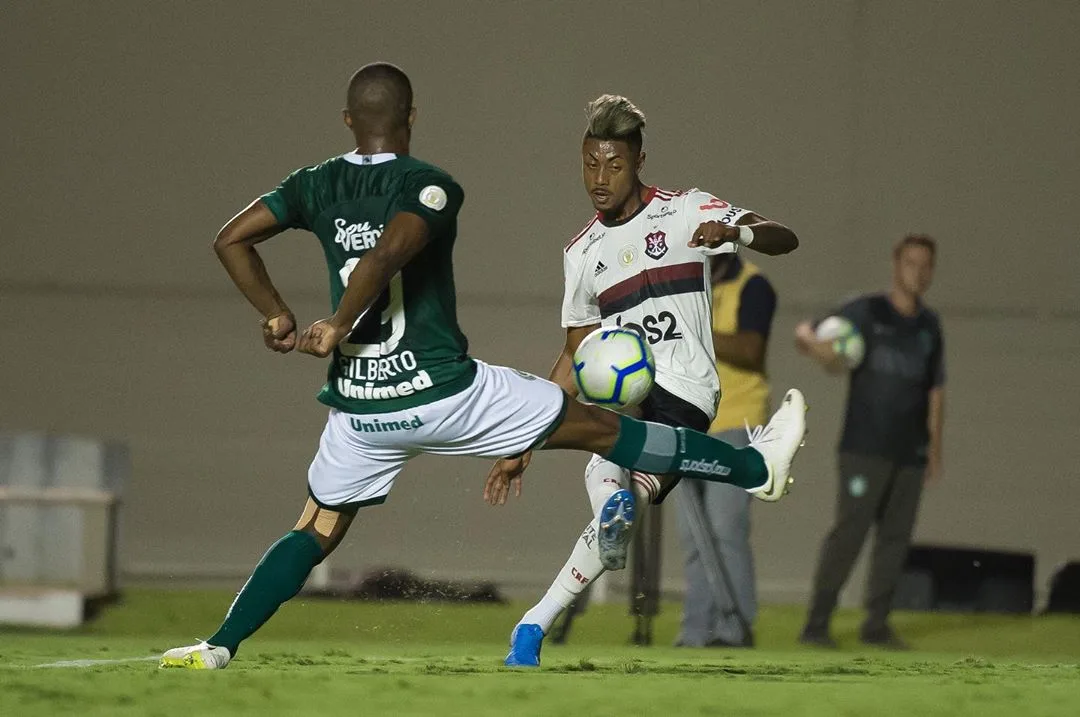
(905, 303)
(630, 207)
(395, 143)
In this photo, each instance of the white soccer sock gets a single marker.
(602, 478)
(646, 487)
(581, 569)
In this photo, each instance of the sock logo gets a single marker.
(709, 468)
(578, 576)
(589, 536)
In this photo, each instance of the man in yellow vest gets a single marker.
(714, 519)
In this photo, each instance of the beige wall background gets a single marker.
(133, 131)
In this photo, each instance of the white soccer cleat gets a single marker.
(778, 442)
(196, 657)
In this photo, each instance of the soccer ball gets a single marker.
(614, 367)
(847, 342)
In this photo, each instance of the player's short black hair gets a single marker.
(380, 94)
(924, 240)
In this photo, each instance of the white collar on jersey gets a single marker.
(369, 158)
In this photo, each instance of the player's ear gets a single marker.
(347, 117)
(640, 165)
(412, 116)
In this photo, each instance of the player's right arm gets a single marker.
(562, 373)
(235, 248)
(808, 344)
(822, 351)
(580, 316)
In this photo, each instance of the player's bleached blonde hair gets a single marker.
(614, 117)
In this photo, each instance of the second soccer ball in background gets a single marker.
(847, 342)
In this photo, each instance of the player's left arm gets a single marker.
(935, 424)
(935, 420)
(751, 230)
(405, 236)
(746, 347)
(235, 248)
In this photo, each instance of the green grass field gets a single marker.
(330, 657)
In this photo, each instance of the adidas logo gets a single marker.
(601, 267)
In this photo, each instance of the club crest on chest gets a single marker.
(656, 245)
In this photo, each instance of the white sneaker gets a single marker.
(778, 442)
(197, 657)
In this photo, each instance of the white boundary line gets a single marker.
(94, 663)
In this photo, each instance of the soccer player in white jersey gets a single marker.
(641, 263)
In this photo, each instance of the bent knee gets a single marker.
(325, 525)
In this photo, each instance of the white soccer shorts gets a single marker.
(504, 412)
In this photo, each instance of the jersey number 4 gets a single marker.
(386, 318)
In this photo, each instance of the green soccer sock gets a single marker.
(277, 578)
(659, 449)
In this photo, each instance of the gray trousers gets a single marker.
(872, 491)
(710, 615)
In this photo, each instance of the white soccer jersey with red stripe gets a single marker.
(640, 274)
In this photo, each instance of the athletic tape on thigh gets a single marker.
(326, 522)
(323, 521)
(306, 517)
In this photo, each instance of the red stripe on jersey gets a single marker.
(659, 275)
(667, 195)
(582, 232)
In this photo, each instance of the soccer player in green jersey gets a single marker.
(400, 380)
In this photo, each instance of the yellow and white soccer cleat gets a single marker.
(778, 441)
(196, 657)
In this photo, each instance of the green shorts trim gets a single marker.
(349, 509)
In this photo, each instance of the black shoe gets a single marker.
(883, 637)
(817, 638)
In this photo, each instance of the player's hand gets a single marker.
(711, 235)
(505, 472)
(279, 332)
(321, 338)
(805, 337)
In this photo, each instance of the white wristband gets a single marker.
(728, 247)
(746, 235)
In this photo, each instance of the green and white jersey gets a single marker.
(407, 350)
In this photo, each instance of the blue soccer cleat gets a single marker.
(616, 522)
(525, 644)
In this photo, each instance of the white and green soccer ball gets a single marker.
(847, 342)
(614, 367)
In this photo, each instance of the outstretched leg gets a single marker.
(762, 468)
